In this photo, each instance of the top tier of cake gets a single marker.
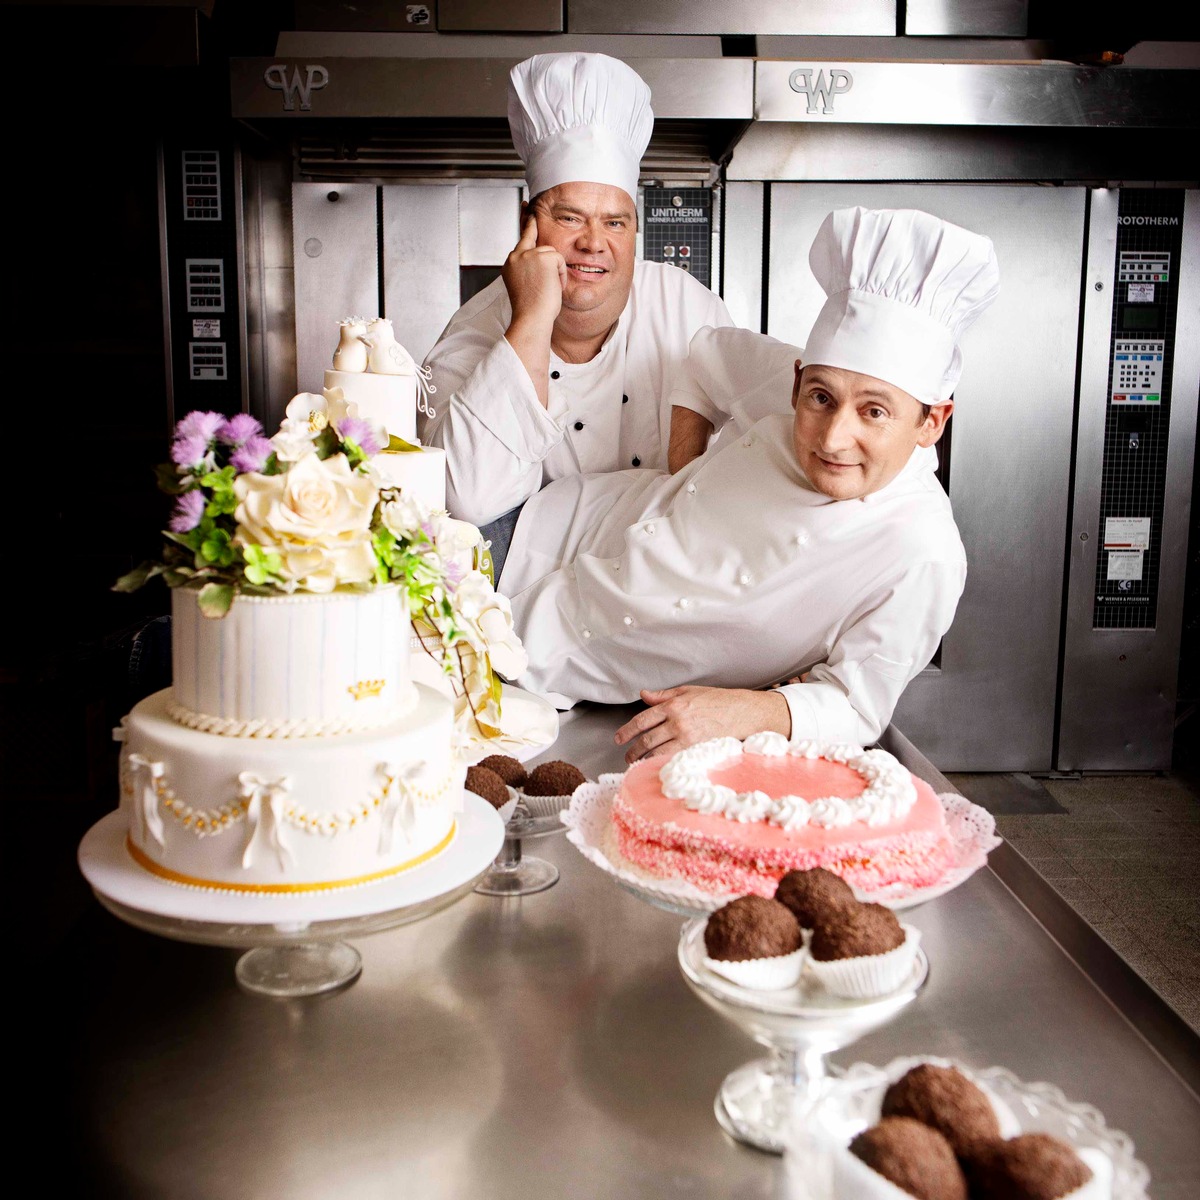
(389, 400)
(300, 665)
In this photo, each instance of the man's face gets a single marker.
(853, 433)
(594, 227)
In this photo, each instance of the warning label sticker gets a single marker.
(1127, 533)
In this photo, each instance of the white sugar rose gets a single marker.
(453, 538)
(403, 516)
(316, 517)
(488, 618)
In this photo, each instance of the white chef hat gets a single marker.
(901, 288)
(579, 117)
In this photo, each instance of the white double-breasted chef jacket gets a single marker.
(605, 415)
(735, 572)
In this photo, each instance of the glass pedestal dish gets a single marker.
(759, 1103)
(514, 873)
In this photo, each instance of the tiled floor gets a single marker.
(1126, 855)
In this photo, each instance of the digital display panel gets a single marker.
(1144, 316)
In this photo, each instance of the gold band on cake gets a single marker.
(277, 889)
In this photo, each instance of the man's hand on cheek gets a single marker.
(680, 717)
(534, 276)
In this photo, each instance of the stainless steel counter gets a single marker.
(539, 1047)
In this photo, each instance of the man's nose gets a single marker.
(590, 236)
(838, 430)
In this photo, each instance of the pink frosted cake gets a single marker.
(732, 817)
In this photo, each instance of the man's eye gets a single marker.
(820, 398)
(877, 414)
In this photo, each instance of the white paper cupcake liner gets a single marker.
(1100, 1186)
(870, 975)
(544, 806)
(509, 807)
(854, 1180)
(761, 974)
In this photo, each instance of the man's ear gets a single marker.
(934, 425)
(796, 383)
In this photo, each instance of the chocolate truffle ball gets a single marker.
(917, 1159)
(946, 1100)
(813, 894)
(1033, 1166)
(511, 770)
(555, 778)
(751, 927)
(855, 931)
(487, 784)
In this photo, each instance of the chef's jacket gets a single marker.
(735, 377)
(736, 572)
(611, 413)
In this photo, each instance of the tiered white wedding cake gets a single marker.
(293, 751)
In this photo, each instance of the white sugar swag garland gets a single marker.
(888, 796)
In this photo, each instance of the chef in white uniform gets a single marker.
(566, 363)
(817, 545)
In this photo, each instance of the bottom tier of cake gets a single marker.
(284, 816)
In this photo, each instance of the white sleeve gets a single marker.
(489, 422)
(851, 696)
(732, 371)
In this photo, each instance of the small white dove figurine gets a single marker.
(388, 357)
(351, 352)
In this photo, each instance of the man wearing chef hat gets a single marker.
(815, 545)
(566, 364)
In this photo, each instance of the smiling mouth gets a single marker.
(835, 466)
(588, 269)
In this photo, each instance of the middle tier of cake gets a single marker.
(291, 666)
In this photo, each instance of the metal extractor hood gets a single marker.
(434, 105)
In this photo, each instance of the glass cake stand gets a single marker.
(289, 958)
(513, 873)
(294, 945)
(759, 1103)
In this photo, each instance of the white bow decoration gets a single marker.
(399, 801)
(265, 821)
(146, 803)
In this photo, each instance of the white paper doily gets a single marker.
(852, 1098)
(972, 831)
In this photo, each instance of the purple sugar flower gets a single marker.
(361, 433)
(239, 429)
(189, 508)
(189, 450)
(200, 424)
(252, 456)
(454, 574)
